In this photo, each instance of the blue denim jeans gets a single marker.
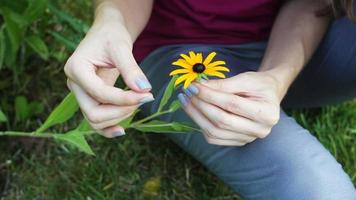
(290, 163)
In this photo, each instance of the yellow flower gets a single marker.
(195, 67)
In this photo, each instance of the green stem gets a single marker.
(35, 134)
(26, 134)
(149, 117)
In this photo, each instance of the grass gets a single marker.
(136, 166)
(140, 166)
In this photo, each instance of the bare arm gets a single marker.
(294, 38)
(133, 14)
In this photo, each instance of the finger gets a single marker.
(255, 110)
(112, 132)
(233, 84)
(108, 75)
(209, 130)
(223, 134)
(108, 123)
(229, 121)
(95, 112)
(132, 74)
(85, 76)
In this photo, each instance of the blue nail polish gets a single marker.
(143, 83)
(118, 133)
(193, 89)
(187, 92)
(146, 100)
(183, 99)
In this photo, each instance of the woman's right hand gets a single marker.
(92, 70)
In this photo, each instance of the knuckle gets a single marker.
(232, 105)
(264, 133)
(70, 64)
(222, 121)
(206, 95)
(273, 119)
(210, 133)
(93, 117)
(217, 84)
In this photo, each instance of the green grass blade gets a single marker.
(38, 45)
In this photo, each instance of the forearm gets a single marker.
(133, 14)
(295, 36)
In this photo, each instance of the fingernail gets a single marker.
(118, 133)
(187, 93)
(193, 89)
(183, 99)
(146, 100)
(143, 83)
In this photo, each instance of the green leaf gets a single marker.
(157, 126)
(68, 44)
(2, 47)
(14, 25)
(37, 44)
(167, 93)
(35, 10)
(3, 117)
(73, 22)
(84, 126)
(175, 105)
(126, 122)
(63, 112)
(21, 108)
(35, 107)
(77, 139)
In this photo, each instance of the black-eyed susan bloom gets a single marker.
(194, 67)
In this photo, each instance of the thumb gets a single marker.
(132, 74)
(235, 84)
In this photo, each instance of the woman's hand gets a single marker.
(92, 70)
(234, 111)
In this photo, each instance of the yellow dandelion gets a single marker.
(194, 67)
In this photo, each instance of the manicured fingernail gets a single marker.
(118, 133)
(143, 83)
(183, 99)
(187, 92)
(193, 89)
(146, 100)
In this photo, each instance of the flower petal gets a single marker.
(221, 68)
(187, 59)
(192, 56)
(179, 71)
(188, 81)
(199, 58)
(209, 58)
(212, 72)
(182, 63)
(216, 63)
(181, 79)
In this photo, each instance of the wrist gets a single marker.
(110, 21)
(107, 12)
(283, 77)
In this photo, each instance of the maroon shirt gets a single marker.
(206, 22)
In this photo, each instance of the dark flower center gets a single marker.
(198, 68)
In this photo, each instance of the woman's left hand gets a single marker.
(237, 110)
